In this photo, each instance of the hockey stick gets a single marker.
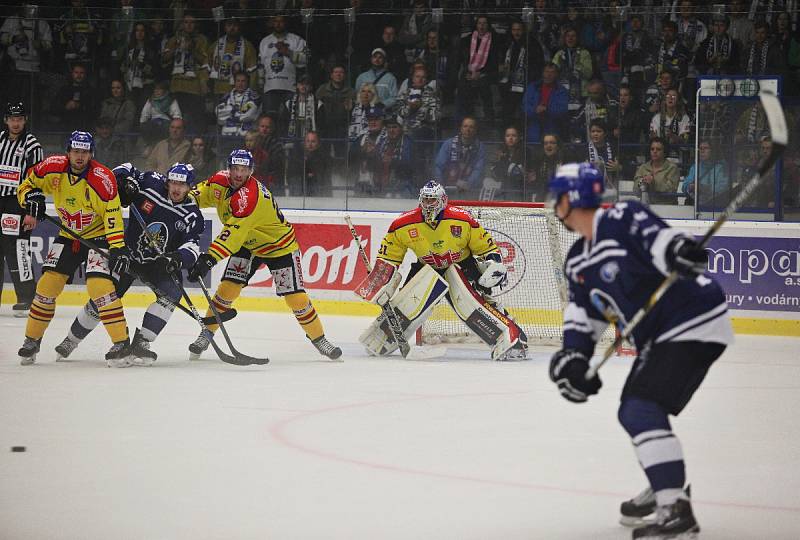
(391, 316)
(780, 138)
(236, 358)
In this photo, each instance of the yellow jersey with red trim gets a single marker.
(456, 236)
(87, 203)
(250, 217)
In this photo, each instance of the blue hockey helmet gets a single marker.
(182, 172)
(432, 200)
(80, 140)
(241, 157)
(582, 183)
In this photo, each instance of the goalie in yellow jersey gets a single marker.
(86, 199)
(254, 232)
(456, 258)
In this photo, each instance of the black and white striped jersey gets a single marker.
(16, 157)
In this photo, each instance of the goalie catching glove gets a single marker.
(495, 273)
(381, 284)
(568, 370)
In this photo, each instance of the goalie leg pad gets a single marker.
(494, 327)
(413, 305)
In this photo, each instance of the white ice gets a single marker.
(303, 448)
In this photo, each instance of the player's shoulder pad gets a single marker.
(245, 199)
(407, 218)
(454, 212)
(102, 180)
(220, 178)
(53, 164)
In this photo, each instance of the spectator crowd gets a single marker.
(375, 96)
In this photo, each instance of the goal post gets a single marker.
(533, 244)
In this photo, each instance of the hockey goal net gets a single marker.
(533, 244)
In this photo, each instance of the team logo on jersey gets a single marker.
(413, 233)
(76, 221)
(440, 261)
(147, 206)
(71, 201)
(277, 63)
(159, 232)
(243, 193)
(438, 244)
(455, 230)
(101, 173)
(609, 271)
(180, 226)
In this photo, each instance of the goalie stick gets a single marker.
(237, 358)
(780, 138)
(391, 317)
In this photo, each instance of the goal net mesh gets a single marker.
(533, 244)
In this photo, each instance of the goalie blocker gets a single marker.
(424, 288)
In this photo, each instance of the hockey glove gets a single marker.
(131, 186)
(495, 275)
(687, 257)
(170, 262)
(568, 370)
(34, 204)
(119, 260)
(204, 264)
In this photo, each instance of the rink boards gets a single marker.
(757, 263)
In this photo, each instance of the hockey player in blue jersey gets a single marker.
(623, 255)
(175, 222)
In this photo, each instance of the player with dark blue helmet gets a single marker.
(174, 222)
(625, 252)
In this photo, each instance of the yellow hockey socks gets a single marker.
(44, 303)
(305, 314)
(223, 299)
(109, 307)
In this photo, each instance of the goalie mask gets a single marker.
(432, 200)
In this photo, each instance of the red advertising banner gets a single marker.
(330, 257)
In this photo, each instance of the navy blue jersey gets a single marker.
(612, 276)
(176, 226)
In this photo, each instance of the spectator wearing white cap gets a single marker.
(385, 83)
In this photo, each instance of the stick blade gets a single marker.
(777, 121)
(426, 353)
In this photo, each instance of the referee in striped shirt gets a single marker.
(19, 150)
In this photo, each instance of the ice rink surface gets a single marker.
(454, 448)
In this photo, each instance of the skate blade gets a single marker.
(688, 535)
(119, 363)
(20, 314)
(194, 356)
(142, 362)
(633, 521)
(26, 361)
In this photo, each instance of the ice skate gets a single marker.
(21, 310)
(635, 511)
(326, 348)
(200, 344)
(674, 521)
(65, 348)
(141, 355)
(28, 351)
(119, 355)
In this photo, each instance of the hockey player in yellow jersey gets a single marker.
(254, 232)
(456, 258)
(86, 200)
